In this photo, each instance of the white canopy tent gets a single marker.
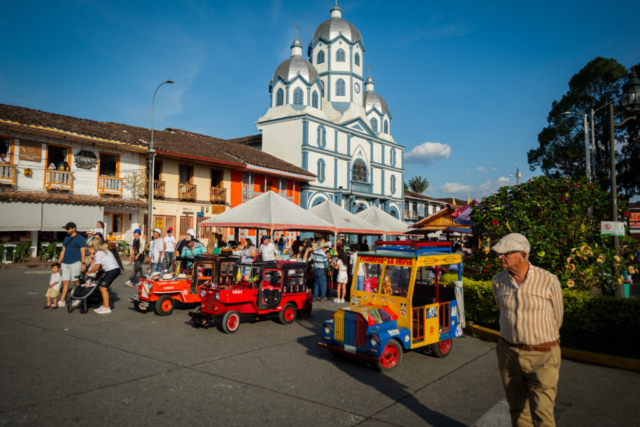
(344, 221)
(383, 221)
(269, 211)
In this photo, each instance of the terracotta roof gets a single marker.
(251, 139)
(634, 205)
(414, 195)
(69, 199)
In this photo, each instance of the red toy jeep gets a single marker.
(258, 289)
(168, 289)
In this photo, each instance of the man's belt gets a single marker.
(545, 346)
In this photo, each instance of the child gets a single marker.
(55, 284)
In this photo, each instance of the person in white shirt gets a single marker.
(268, 250)
(99, 229)
(105, 260)
(353, 259)
(170, 250)
(343, 276)
(55, 284)
(156, 248)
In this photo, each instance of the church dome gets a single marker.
(296, 64)
(373, 100)
(332, 28)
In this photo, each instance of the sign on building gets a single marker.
(30, 151)
(86, 159)
(634, 222)
(612, 228)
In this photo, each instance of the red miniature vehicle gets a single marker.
(168, 289)
(258, 289)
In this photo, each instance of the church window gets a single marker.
(393, 184)
(321, 174)
(297, 96)
(386, 126)
(340, 91)
(374, 124)
(392, 158)
(320, 59)
(314, 102)
(359, 171)
(357, 59)
(279, 98)
(322, 137)
(340, 55)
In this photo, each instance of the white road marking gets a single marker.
(497, 416)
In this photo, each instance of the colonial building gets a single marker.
(418, 206)
(326, 118)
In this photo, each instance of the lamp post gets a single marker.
(587, 151)
(152, 161)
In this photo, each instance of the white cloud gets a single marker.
(489, 162)
(485, 189)
(481, 169)
(455, 187)
(504, 179)
(494, 169)
(427, 152)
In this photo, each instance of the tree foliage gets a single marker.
(561, 218)
(418, 184)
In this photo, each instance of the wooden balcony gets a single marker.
(158, 189)
(110, 186)
(218, 195)
(249, 195)
(58, 180)
(7, 175)
(187, 192)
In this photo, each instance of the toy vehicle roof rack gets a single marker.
(209, 257)
(412, 248)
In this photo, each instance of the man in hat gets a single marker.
(71, 259)
(531, 311)
(183, 242)
(267, 249)
(137, 256)
(90, 234)
(156, 248)
(170, 250)
(192, 250)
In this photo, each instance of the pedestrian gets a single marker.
(267, 249)
(90, 234)
(156, 248)
(295, 246)
(71, 259)
(170, 250)
(137, 256)
(100, 229)
(104, 260)
(249, 252)
(353, 261)
(343, 276)
(531, 311)
(55, 283)
(183, 242)
(281, 245)
(192, 250)
(319, 273)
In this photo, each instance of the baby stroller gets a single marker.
(86, 293)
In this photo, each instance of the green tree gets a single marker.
(418, 184)
(628, 166)
(561, 150)
(561, 218)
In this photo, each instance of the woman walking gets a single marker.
(103, 260)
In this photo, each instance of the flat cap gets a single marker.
(512, 242)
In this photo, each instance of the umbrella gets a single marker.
(269, 211)
(380, 219)
(343, 220)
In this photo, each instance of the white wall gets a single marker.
(283, 140)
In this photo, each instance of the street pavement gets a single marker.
(132, 368)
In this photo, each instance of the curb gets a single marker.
(569, 353)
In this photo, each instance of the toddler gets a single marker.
(54, 287)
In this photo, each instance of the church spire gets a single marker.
(336, 12)
(296, 46)
(368, 84)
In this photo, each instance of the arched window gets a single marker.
(321, 175)
(393, 184)
(393, 214)
(357, 59)
(322, 137)
(279, 97)
(359, 171)
(360, 208)
(340, 91)
(297, 96)
(386, 126)
(374, 124)
(314, 100)
(340, 55)
(320, 59)
(392, 157)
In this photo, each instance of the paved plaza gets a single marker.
(129, 368)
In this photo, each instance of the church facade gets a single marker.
(327, 119)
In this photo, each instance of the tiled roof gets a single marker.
(414, 195)
(69, 199)
(251, 139)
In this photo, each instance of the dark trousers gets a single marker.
(137, 269)
(319, 283)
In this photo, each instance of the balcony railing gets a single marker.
(158, 189)
(283, 193)
(249, 195)
(411, 216)
(187, 192)
(58, 180)
(7, 175)
(362, 187)
(218, 195)
(108, 185)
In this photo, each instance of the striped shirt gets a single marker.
(319, 258)
(531, 313)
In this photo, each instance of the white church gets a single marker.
(326, 118)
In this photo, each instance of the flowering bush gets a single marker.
(561, 218)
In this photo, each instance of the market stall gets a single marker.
(381, 220)
(344, 221)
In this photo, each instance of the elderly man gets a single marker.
(531, 311)
(267, 249)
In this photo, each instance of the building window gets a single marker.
(279, 98)
(297, 96)
(6, 150)
(283, 186)
(320, 57)
(58, 157)
(386, 126)
(186, 174)
(393, 184)
(117, 225)
(314, 100)
(340, 91)
(321, 171)
(322, 136)
(357, 59)
(359, 171)
(393, 214)
(109, 165)
(392, 157)
(340, 55)
(374, 124)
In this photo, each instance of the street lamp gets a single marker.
(152, 160)
(587, 154)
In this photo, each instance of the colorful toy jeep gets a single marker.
(258, 289)
(165, 290)
(403, 306)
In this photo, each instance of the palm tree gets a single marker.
(418, 184)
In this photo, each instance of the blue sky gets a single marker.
(475, 79)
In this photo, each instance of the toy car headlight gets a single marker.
(150, 286)
(218, 296)
(327, 329)
(374, 340)
(202, 293)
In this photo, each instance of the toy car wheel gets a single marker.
(289, 314)
(164, 305)
(391, 356)
(231, 322)
(442, 348)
